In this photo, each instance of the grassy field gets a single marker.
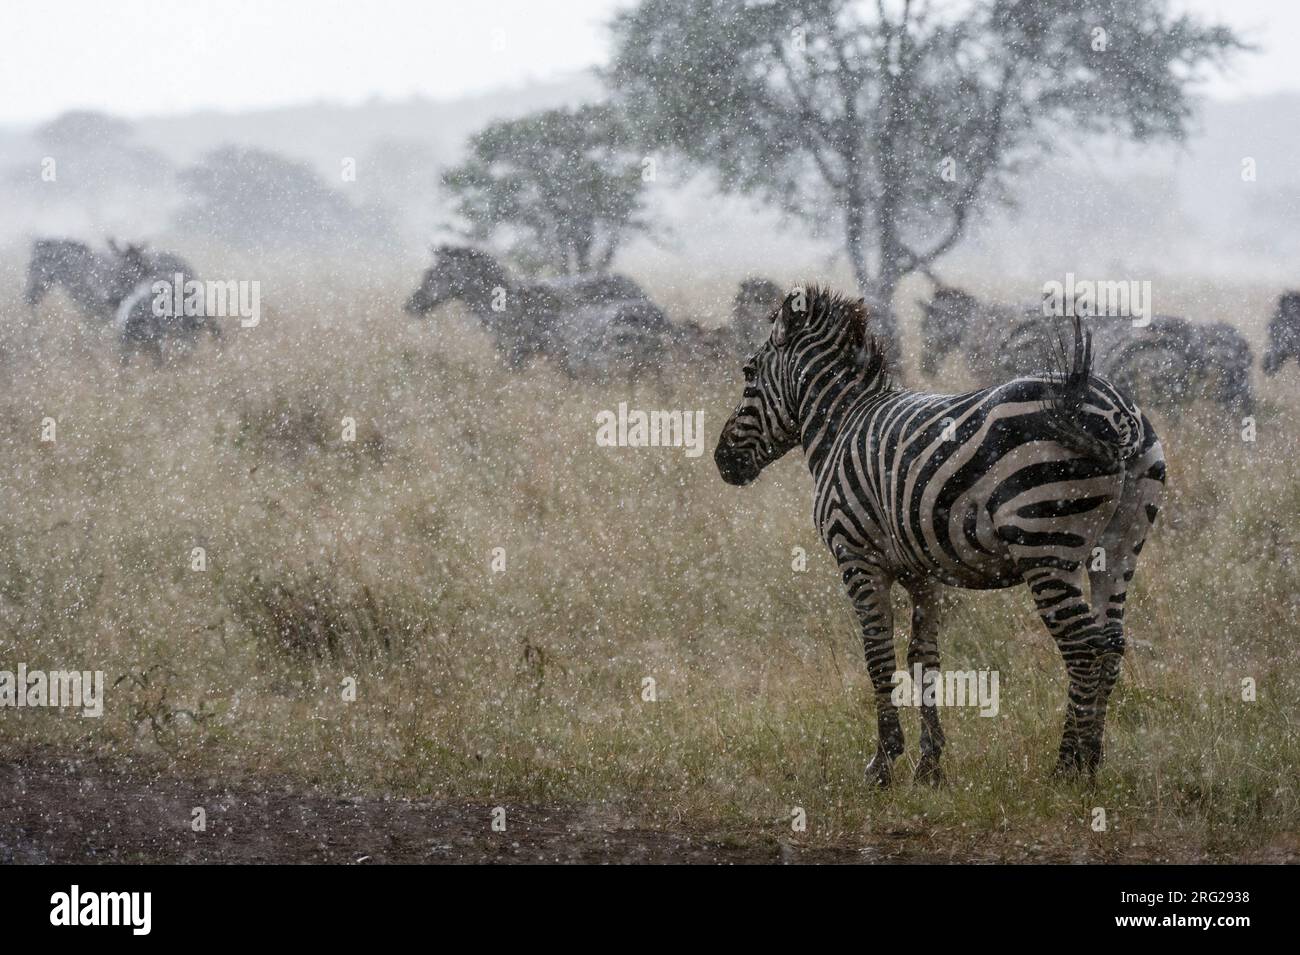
(371, 561)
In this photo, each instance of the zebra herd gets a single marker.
(1017, 483)
(590, 326)
(602, 325)
(116, 289)
(1164, 365)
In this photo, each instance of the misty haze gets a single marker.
(667, 431)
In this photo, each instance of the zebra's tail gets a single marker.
(1082, 408)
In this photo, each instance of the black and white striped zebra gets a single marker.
(143, 328)
(1165, 364)
(88, 277)
(1018, 483)
(591, 326)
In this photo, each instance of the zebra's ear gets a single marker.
(786, 318)
(780, 327)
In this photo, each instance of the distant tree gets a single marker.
(249, 197)
(903, 119)
(81, 129)
(96, 163)
(565, 184)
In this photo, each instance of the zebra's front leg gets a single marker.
(923, 651)
(868, 588)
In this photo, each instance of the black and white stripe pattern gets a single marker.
(591, 326)
(1165, 364)
(93, 281)
(142, 328)
(1019, 483)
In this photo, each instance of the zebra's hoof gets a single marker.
(1090, 756)
(880, 771)
(1069, 766)
(929, 772)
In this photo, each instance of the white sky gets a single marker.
(145, 57)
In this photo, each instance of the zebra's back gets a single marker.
(956, 487)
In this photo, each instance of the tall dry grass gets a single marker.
(370, 561)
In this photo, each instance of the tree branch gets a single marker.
(814, 119)
(988, 159)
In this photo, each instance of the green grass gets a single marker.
(371, 561)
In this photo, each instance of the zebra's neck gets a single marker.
(480, 294)
(479, 300)
(87, 290)
(828, 392)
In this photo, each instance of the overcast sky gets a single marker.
(141, 57)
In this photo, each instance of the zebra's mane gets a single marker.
(60, 245)
(468, 255)
(862, 349)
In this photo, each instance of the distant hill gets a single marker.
(1096, 207)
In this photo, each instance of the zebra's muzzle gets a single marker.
(735, 467)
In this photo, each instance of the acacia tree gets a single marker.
(563, 182)
(903, 119)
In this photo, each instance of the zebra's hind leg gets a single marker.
(1121, 543)
(1057, 585)
(923, 650)
(868, 588)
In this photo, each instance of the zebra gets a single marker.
(595, 288)
(1283, 333)
(692, 341)
(114, 289)
(140, 325)
(1164, 364)
(588, 325)
(90, 279)
(1017, 483)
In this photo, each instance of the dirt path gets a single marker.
(60, 809)
(56, 808)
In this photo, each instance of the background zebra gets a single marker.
(91, 280)
(140, 327)
(1013, 484)
(1164, 365)
(751, 308)
(589, 325)
(116, 288)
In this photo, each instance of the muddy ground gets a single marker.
(57, 808)
(62, 809)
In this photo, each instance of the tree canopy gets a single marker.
(251, 197)
(905, 120)
(563, 185)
